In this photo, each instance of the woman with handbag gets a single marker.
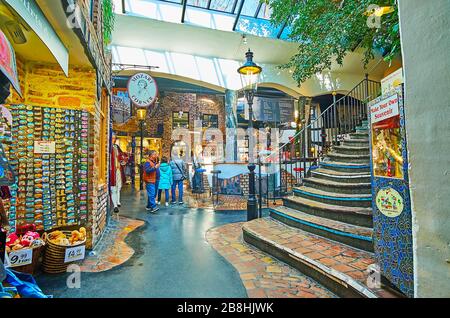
(179, 175)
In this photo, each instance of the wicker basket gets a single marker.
(35, 263)
(53, 262)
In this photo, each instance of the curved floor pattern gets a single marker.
(263, 276)
(112, 249)
(171, 259)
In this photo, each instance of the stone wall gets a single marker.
(195, 104)
(98, 192)
(45, 84)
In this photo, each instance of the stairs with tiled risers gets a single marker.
(325, 228)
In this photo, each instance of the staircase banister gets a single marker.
(302, 131)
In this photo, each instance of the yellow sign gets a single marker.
(41, 146)
(389, 202)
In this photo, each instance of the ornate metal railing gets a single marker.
(309, 146)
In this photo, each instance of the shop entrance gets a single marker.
(126, 145)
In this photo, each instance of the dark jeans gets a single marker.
(178, 183)
(151, 195)
(166, 195)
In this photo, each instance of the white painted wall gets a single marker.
(425, 31)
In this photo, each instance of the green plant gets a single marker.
(108, 21)
(327, 30)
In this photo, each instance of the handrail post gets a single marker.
(367, 95)
(335, 118)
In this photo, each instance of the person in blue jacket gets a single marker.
(165, 180)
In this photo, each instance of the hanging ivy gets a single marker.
(108, 21)
(327, 30)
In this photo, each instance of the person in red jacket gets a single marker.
(150, 168)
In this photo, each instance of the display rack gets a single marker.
(49, 154)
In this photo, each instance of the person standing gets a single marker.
(149, 177)
(117, 175)
(158, 176)
(165, 181)
(179, 175)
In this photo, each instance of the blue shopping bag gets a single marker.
(25, 284)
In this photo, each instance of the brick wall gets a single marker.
(46, 85)
(195, 104)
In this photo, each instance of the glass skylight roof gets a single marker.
(246, 16)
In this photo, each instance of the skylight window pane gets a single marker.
(198, 3)
(174, 1)
(250, 7)
(223, 5)
(265, 12)
(285, 34)
(258, 27)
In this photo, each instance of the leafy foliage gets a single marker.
(108, 21)
(327, 30)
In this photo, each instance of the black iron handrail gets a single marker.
(308, 147)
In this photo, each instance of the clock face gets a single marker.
(142, 89)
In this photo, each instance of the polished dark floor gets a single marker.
(172, 258)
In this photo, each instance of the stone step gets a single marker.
(349, 158)
(341, 268)
(356, 236)
(348, 142)
(359, 135)
(352, 150)
(337, 176)
(353, 200)
(338, 187)
(362, 130)
(345, 166)
(353, 215)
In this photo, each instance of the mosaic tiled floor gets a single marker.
(352, 262)
(112, 249)
(262, 276)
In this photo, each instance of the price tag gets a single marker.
(74, 254)
(20, 257)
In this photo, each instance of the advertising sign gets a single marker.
(384, 109)
(33, 16)
(389, 202)
(8, 62)
(41, 146)
(120, 106)
(76, 253)
(142, 90)
(21, 257)
(391, 81)
(269, 109)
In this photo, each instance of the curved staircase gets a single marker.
(325, 228)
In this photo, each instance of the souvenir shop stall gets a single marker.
(49, 158)
(391, 200)
(14, 249)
